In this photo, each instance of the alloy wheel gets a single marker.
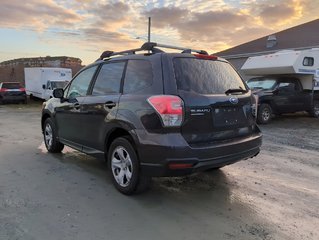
(122, 166)
(265, 115)
(48, 135)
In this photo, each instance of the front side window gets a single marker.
(139, 75)
(206, 76)
(80, 84)
(48, 85)
(109, 79)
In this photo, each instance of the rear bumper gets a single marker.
(157, 159)
(12, 98)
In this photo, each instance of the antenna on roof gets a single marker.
(149, 30)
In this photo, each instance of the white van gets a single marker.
(40, 81)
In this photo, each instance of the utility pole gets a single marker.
(149, 30)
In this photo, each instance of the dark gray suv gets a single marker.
(155, 114)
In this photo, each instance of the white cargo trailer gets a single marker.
(40, 81)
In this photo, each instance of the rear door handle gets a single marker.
(110, 104)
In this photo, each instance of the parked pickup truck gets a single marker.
(282, 94)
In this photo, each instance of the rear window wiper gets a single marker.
(235, 90)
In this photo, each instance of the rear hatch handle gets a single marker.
(235, 90)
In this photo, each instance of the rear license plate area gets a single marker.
(228, 116)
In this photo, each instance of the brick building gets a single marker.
(13, 70)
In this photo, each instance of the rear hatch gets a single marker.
(12, 89)
(217, 103)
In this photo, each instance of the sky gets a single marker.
(85, 28)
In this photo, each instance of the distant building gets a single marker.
(13, 70)
(301, 37)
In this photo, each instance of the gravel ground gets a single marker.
(70, 195)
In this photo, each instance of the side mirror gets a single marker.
(43, 86)
(276, 91)
(58, 93)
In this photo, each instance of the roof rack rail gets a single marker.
(151, 47)
(108, 54)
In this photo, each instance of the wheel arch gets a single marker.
(270, 102)
(116, 133)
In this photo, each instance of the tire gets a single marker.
(264, 114)
(50, 137)
(315, 109)
(124, 166)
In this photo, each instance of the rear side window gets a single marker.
(11, 85)
(261, 83)
(138, 76)
(286, 87)
(109, 79)
(205, 76)
(289, 85)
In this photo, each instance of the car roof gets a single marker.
(148, 57)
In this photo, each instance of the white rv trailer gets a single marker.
(304, 63)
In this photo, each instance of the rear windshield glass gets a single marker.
(11, 85)
(206, 76)
(265, 84)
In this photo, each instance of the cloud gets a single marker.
(99, 35)
(224, 26)
(196, 21)
(114, 24)
(276, 12)
(279, 13)
(306, 10)
(166, 16)
(36, 13)
(208, 22)
(230, 23)
(110, 15)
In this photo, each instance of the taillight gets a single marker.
(22, 89)
(169, 108)
(3, 89)
(207, 57)
(254, 105)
